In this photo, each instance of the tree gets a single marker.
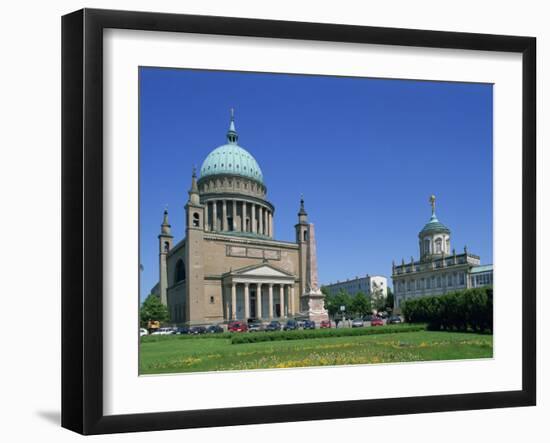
(361, 304)
(153, 309)
(329, 301)
(378, 299)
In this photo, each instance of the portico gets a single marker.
(261, 292)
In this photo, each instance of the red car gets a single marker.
(237, 326)
(376, 321)
(325, 324)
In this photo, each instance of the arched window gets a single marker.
(196, 219)
(180, 271)
(166, 246)
(426, 246)
(438, 246)
(305, 235)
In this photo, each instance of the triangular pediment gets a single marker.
(264, 269)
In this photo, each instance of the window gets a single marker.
(180, 271)
(305, 235)
(426, 246)
(462, 278)
(166, 246)
(449, 280)
(439, 281)
(438, 246)
(196, 219)
(417, 284)
(428, 284)
(212, 299)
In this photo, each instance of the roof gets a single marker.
(434, 225)
(231, 158)
(481, 268)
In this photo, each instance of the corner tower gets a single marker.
(165, 245)
(311, 298)
(194, 259)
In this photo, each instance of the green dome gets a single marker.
(434, 226)
(231, 159)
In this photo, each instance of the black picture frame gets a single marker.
(82, 218)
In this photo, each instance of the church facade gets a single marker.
(229, 266)
(439, 269)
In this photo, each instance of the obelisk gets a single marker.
(313, 296)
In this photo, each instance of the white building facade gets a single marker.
(440, 269)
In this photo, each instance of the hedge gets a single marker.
(156, 338)
(469, 309)
(257, 337)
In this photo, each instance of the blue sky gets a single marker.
(366, 154)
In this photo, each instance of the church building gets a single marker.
(229, 266)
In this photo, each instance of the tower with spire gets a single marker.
(311, 298)
(194, 251)
(165, 245)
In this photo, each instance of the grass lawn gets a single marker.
(172, 354)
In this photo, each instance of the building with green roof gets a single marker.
(229, 266)
(440, 269)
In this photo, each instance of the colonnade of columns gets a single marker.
(238, 215)
(280, 301)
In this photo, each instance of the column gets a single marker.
(224, 215)
(235, 226)
(259, 301)
(243, 216)
(253, 218)
(271, 224)
(270, 304)
(262, 224)
(215, 215)
(246, 302)
(206, 217)
(292, 306)
(233, 301)
(282, 299)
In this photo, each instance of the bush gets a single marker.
(157, 338)
(321, 333)
(470, 309)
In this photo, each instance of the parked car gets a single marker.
(182, 330)
(196, 330)
(376, 321)
(309, 324)
(394, 320)
(237, 326)
(255, 326)
(142, 332)
(214, 329)
(273, 326)
(291, 325)
(357, 323)
(325, 324)
(367, 318)
(164, 331)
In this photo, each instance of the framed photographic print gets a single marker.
(269, 221)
